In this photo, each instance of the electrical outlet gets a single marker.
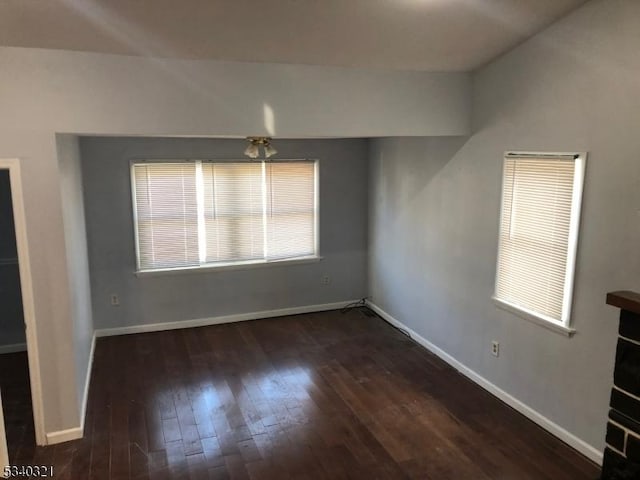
(495, 348)
(115, 301)
(325, 280)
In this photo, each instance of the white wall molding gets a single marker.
(13, 348)
(67, 435)
(76, 432)
(570, 439)
(203, 322)
(87, 384)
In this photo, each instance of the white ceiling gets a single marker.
(426, 35)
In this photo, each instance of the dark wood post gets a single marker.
(622, 451)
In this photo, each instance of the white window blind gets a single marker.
(291, 228)
(538, 234)
(166, 214)
(218, 213)
(233, 211)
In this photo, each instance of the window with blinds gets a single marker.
(203, 214)
(541, 196)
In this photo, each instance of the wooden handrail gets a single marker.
(625, 299)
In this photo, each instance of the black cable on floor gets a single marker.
(360, 303)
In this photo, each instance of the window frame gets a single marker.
(562, 326)
(231, 265)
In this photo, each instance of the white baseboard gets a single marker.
(14, 348)
(203, 322)
(64, 435)
(76, 432)
(570, 439)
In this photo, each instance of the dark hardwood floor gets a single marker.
(16, 402)
(317, 396)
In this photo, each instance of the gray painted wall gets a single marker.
(11, 316)
(75, 236)
(175, 297)
(435, 205)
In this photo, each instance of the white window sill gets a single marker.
(538, 320)
(224, 267)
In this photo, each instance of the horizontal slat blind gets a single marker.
(290, 209)
(166, 215)
(233, 211)
(534, 233)
(203, 213)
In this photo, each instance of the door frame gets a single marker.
(28, 305)
(4, 454)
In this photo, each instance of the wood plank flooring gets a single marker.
(16, 402)
(317, 396)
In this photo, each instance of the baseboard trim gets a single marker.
(75, 433)
(13, 348)
(567, 437)
(61, 436)
(203, 322)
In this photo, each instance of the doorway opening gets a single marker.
(14, 364)
(21, 420)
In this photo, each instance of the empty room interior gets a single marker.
(320, 240)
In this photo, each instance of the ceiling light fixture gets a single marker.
(253, 150)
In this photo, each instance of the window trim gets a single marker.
(224, 266)
(531, 316)
(562, 326)
(228, 266)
